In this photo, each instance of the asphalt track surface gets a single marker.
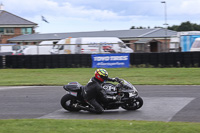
(161, 103)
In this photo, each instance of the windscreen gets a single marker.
(196, 44)
(16, 47)
(122, 45)
(127, 85)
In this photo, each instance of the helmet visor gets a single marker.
(104, 77)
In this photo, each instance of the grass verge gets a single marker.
(138, 76)
(95, 126)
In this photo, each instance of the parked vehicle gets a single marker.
(127, 93)
(90, 45)
(48, 42)
(65, 46)
(196, 45)
(187, 41)
(9, 49)
(34, 50)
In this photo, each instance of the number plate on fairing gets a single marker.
(109, 87)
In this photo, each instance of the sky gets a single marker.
(98, 15)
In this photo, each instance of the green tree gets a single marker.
(174, 27)
(140, 27)
(185, 26)
(132, 27)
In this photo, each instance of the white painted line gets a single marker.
(23, 87)
(15, 87)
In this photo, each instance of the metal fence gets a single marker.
(176, 59)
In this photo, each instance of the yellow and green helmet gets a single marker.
(101, 75)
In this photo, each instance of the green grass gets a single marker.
(95, 126)
(138, 76)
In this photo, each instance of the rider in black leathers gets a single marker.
(93, 91)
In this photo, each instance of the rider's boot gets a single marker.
(80, 107)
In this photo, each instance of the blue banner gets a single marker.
(110, 60)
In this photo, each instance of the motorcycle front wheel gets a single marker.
(67, 102)
(134, 105)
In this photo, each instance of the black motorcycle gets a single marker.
(126, 94)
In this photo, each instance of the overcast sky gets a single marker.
(98, 15)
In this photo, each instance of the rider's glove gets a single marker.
(115, 79)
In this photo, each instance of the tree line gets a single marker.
(184, 26)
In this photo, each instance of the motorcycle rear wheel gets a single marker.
(136, 104)
(67, 102)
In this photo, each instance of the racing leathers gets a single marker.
(94, 92)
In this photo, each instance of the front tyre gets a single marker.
(67, 102)
(133, 105)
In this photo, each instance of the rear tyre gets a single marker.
(67, 102)
(134, 105)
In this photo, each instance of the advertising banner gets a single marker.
(110, 60)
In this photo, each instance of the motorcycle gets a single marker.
(126, 94)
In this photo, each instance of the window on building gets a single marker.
(26, 30)
(139, 47)
(1, 30)
(9, 31)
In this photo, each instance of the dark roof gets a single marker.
(132, 33)
(7, 18)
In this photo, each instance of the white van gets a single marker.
(68, 48)
(43, 48)
(196, 45)
(9, 48)
(48, 42)
(90, 45)
(34, 50)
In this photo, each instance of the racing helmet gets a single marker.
(101, 75)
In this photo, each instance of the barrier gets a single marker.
(175, 59)
(48, 61)
(1, 61)
(110, 60)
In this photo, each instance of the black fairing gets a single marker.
(73, 86)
